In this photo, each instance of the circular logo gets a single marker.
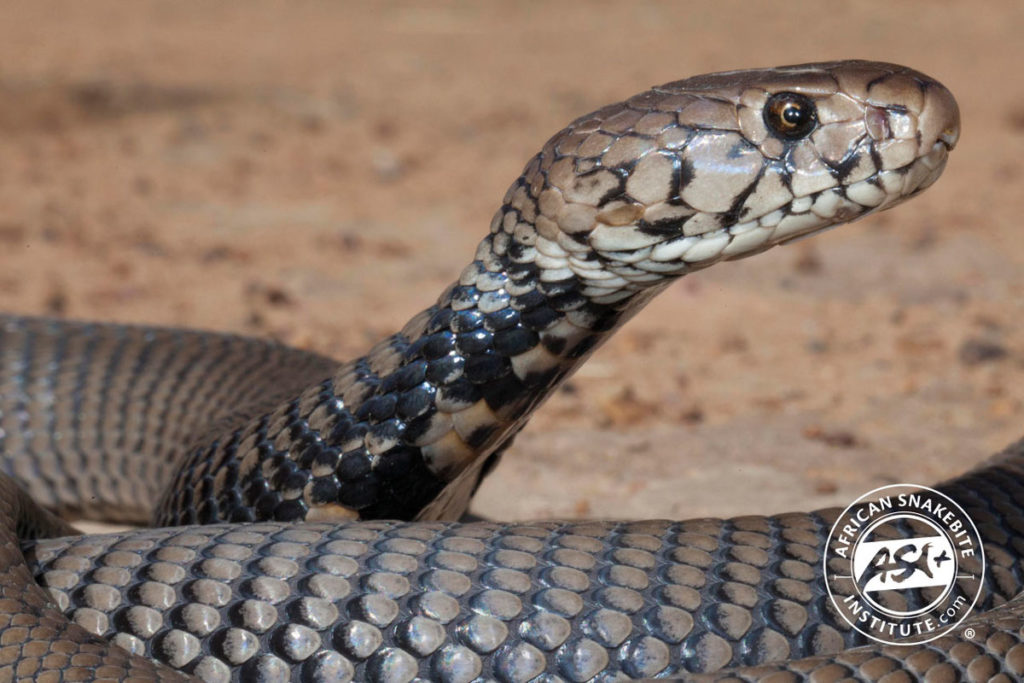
(904, 564)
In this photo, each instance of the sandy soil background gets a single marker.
(318, 171)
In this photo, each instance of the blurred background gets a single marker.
(318, 171)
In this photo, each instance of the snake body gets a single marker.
(274, 474)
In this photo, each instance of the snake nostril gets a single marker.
(876, 120)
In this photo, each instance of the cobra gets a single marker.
(273, 475)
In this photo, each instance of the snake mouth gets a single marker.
(926, 169)
(831, 208)
(800, 218)
(949, 138)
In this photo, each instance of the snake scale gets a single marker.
(274, 475)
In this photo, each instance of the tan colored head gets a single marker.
(720, 167)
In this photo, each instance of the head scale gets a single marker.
(722, 166)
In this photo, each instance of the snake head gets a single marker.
(720, 167)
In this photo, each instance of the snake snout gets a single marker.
(940, 117)
(945, 106)
(938, 131)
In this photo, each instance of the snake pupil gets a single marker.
(790, 115)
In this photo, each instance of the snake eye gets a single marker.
(790, 115)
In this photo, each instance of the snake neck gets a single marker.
(463, 377)
(407, 430)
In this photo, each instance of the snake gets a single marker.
(304, 513)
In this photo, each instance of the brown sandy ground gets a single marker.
(316, 171)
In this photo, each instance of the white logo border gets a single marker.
(869, 496)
